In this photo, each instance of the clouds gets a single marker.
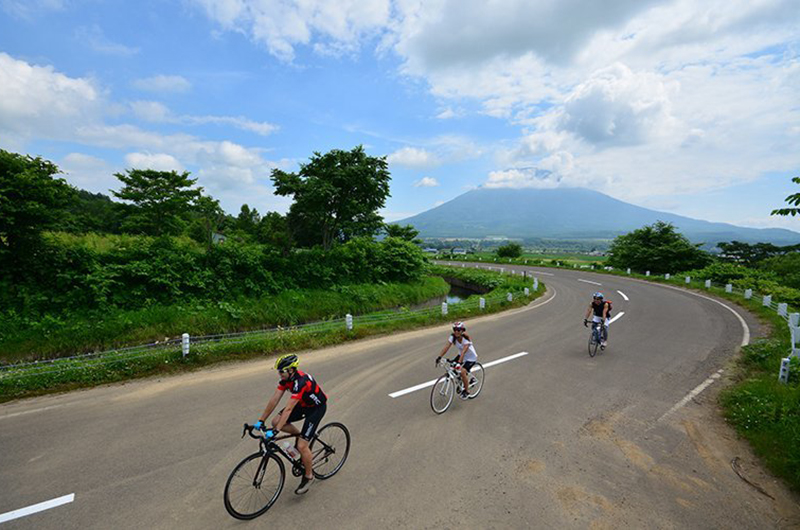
(95, 39)
(163, 84)
(281, 25)
(412, 157)
(156, 112)
(426, 182)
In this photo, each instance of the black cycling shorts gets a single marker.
(468, 365)
(313, 417)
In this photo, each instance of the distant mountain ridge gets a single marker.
(569, 213)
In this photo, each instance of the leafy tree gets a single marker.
(786, 267)
(336, 196)
(273, 229)
(747, 254)
(793, 199)
(658, 248)
(161, 200)
(32, 199)
(94, 212)
(407, 232)
(509, 250)
(209, 218)
(248, 220)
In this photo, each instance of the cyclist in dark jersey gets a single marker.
(307, 401)
(600, 311)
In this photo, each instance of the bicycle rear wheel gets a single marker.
(442, 394)
(476, 376)
(329, 450)
(254, 485)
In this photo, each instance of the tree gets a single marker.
(407, 232)
(160, 199)
(658, 248)
(210, 216)
(793, 199)
(248, 220)
(336, 196)
(32, 199)
(509, 250)
(273, 229)
(747, 254)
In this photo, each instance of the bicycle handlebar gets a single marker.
(248, 429)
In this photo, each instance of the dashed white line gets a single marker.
(694, 393)
(42, 506)
(587, 281)
(430, 383)
(623, 295)
(616, 318)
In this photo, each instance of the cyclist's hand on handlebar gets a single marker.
(270, 433)
(585, 323)
(438, 360)
(259, 425)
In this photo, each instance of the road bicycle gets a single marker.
(450, 384)
(596, 338)
(257, 481)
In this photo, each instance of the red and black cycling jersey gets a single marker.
(598, 308)
(305, 389)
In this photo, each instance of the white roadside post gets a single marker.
(444, 308)
(728, 288)
(748, 294)
(688, 279)
(767, 300)
(708, 284)
(629, 270)
(348, 320)
(783, 375)
(527, 292)
(482, 303)
(647, 273)
(185, 344)
(509, 297)
(794, 329)
(783, 309)
(536, 284)
(666, 276)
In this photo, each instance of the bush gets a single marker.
(510, 250)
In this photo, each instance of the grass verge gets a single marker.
(68, 374)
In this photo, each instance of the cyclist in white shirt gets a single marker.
(467, 356)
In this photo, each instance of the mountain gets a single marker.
(568, 213)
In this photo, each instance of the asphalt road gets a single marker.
(555, 439)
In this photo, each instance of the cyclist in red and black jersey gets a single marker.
(307, 401)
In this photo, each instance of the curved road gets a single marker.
(556, 439)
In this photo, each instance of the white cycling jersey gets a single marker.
(471, 355)
(596, 318)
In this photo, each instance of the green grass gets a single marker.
(54, 337)
(76, 373)
(533, 259)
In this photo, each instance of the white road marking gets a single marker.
(42, 506)
(587, 281)
(430, 383)
(623, 295)
(745, 328)
(41, 409)
(545, 273)
(616, 317)
(694, 393)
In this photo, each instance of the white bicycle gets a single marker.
(451, 384)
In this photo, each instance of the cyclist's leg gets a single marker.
(606, 324)
(297, 414)
(313, 420)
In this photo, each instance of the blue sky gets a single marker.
(688, 107)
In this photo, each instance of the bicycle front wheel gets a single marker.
(329, 450)
(254, 485)
(476, 376)
(593, 344)
(442, 394)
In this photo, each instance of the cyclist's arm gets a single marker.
(446, 347)
(605, 311)
(588, 312)
(273, 402)
(287, 411)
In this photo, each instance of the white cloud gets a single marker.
(94, 38)
(29, 9)
(154, 111)
(155, 161)
(37, 100)
(281, 25)
(163, 83)
(412, 157)
(426, 182)
(89, 172)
